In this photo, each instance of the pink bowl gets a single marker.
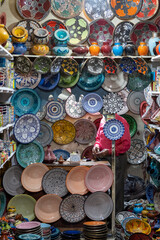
(28, 225)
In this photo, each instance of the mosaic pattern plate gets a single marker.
(33, 9)
(49, 81)
(23, 64)
(112, 103)
(148, 10)
(78, 29)
(101, 31)
(2, 203)
(74, 108)
(142, 66)
(26, 128)
(128, 65)
(92, 103)
(66, 8)
(42, 64)
(30, 80)
(55, 110)
(113, 129)
(110, 65)
(134, 100)
(85, 131)
(63, 132)
(132, 124)
(60, 152)
(27, 154)
(45, 135)
(137, 152)
(54, 182)
(70, 67)
(72, 208)
(123, 94)
(95, 66)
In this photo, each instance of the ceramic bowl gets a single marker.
(42, 64)
(137, 225)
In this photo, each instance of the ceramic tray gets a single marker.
(123, 94)
(92, 103)
(134, 100)
(148, 10)
(112, 103)
(45, 135)
(26, 128)
(128, 65)
(72, 208)
(60, 152)
(74, 108)
(30, 80)
(27, 154)
(113, 129)
(137, 152)
(49, 81)
(68, 81)
(2, 203)
(55, 110)
(132, 124)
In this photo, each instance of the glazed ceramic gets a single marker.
(94, 49)
(106, 49)
(68, 81)
(80, 50)
(74, 108)
(40, 49)
(69, 67)
(45, 135)
(112, 103)
(61, 38)
(23, 64)
(113, 129)
(117, 49)
(143, 49)
(31, 80)
(42, 65)
(19, 48)
(148, 10)
(40, 36)
(152, 42)
(4, 34)
(55, 110)
(137, 225)
(19, 34)
(157, 48)
(137, 208)
(130, 49)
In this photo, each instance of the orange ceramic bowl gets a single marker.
(138, 226)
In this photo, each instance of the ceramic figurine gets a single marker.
(117, 49)
(61, 38)
(94, 49)
(106, 49)
(152, 42)
(4, 34)
(19, 34)
(40, 36)
(129, 49)
(19, 48)
(80, 50)
(143, 49)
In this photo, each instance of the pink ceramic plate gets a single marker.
(28, 225)
(99, 178)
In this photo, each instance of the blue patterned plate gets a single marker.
(55, 110)
(30, 80)
(27, 154)
(60, 152)
(92, 103)
(150, 191)
(128, 65)
(49, 81)
(45, 135)
(25, 101)
(113, 129)
(2, 203)
(26, 128)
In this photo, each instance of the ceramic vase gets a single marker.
(61, 38)
(137, 208)
(130, 49)
(117, 49)
(157, 49)
(19, 34)
(4, 34)
(80, 50)
(152, 42)
(143, 49)
(106, 49)
(40, 36)
(94, 49)
(19, 48)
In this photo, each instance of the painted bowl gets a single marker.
(138, 226)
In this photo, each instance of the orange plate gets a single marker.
(94, 223)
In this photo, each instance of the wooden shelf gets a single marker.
(12, 154)
(6, 127)
(5, 53)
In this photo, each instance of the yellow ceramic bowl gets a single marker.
(138, 226)
(40, 49)
(19, 34)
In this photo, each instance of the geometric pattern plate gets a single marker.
(112, 103)
(142, 66)
(45, 135)
(132, 124)
(137, 152)
(128, 65)
(113, 129)
(55, 110)
(148, 10)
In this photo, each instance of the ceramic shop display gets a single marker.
(67, 81)
(148, 10)
(72, 208)
(123, 94)
(32, 176)
(55, 110)
(61, 38)
(24, 204)
(49, 81)
(95, 66)
(137, 152)
(23, 64)
(92, 103)
(47, 208)
(45, 135)
(128, 65)
(74, 108)
(112, 103)
(60, 152)
(75, 181)
(132, 124)
(28, 225)
(42, 64)
(33, 10)
(110, 65)
(122, 32)
(3, 201)
(113, 129)
(69, 67)
(12, 181)
(134, 100)
(117, 49)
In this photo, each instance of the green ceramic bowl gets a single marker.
(132, 124)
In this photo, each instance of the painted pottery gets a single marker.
(117, 49)
(61, 38)
(157, 49)
(130, 48)
(106, 49)
(138, 208)
(40, 49)
(19, 48)
(40, 36)
(143, 49)
(19, 34)
(4, 34)
(152, 42)
(94, 49)
(80, 50)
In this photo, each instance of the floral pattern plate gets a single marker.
(92, 103)
(101, 31)
(123, 94)
(60, 152)
(148, 10)
(70, 67)
(27, 154)
(73, 108)
(137, 152)
(49, 81)
(45, 135)
(66, 8)
(55, 110)
(23, 64)
(63, 132)
(134, 100)
(33, 9)
(26, 128)
(113, 129)
(30, 80)
(72, 208)
(85, 131)
(112, 103)
(142, 66)
(54, 182)
(110, 65)
(128, 65)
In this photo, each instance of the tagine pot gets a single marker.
(117, 49)
(19, 34)
(106, 49)
(94, 49)
(4, 34)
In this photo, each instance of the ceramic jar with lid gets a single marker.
(152, 42)
(143, 49)
(130, 49)
(94, 49)
(117, 49)
(61, 38)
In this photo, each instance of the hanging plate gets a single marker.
(45, 135)
(123, 94)
(68, 81)
(2, 203)
(92, 103)
(137, 152)
(150, 191)
(110, 65)
(142, 66)
(55, 110)
(42, 112)
(134, 100)
(148, 10)
(128, 65)
(113, 129)
(95, 66)
(30, 80)
(23, 64)
(73, 108)
(42, 64)
(49, 81)
(112, 103)
(132, 124)
(70, 67)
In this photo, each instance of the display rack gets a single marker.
(6, 127)
(5, 53)
(2, 165)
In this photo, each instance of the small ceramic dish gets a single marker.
(95, 66)
(42, 64)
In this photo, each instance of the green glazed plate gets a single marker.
(68, 81)
(132, 124)
(2, 203)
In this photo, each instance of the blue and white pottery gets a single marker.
(29, 236)
(113, 129)
(19, 48)
(55, 110)
(61, 38)
(92, 103)
(117, 49)
(137, 208)
(60, 50)
(152, 42)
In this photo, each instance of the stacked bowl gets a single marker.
(93, 230)
(32, 227)
(46, 231)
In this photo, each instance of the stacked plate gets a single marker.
(28, 228)
(71, 234)
(95, 230)
(55, 233)
(46, 231)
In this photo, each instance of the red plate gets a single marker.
(148, 10)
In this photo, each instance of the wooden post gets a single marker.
(113, 186)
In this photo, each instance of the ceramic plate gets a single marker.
(113, 129)
(42, 64)
(23, 64)
(33, 174)
(150, 191)
(56, 65)
(63, 132)
(112, 103)
(122, 32)
(148, 96)
(134, 100)
(126, 220)
(142, 66)
(60, 152)
(28, 225)
(47, 208)
(132, 124)
(30, 80)
(32, 9)
(87, 152)
(49, 81)
(68, 81)
(72, 208)
(74, 108)
(54, 181)
(156, 201)
(137, 152)
(24, 205)
(92, 103)
(98, 206)
(26, 128)
(85, 131)
(12, 181)
(124, 214)
(123, 94)
(75, 180)
(67, 8)
(140, 236)
(70, 67)
(97, 9)
(2, 203)
(99, 178)
(148, 10)
(42, 112)
(27, 154)
(142, 32)
(110, 65)
(125, 10)
(128, 65)
(55, 110)
(157, 22)
(45, 135)
(26, 236)
(52, 25)
(25, 101)
(95, 65)
(101, 31)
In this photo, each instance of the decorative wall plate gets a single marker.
(128, 65)
(68, 81)
(30, 80)
(33, 9)
(60, 152)
(23, 64)
(95, 66)
(56, 65)
(112, 103)
(124, 214)
(54, 181)
(142, 32)
(150, 191)
(142, 66)
(67, 9)
(26, 128)
(45, 135)
(92, 103)
(157, 22)
(148, 95)
(134, 100)
(52, 25)
(78, 29)
(42, 112)
(132, 124)
(113, 129)
(29, 153)
(97, 9)
(63, 132)
(101, 31)
(87, 152)
(70, 66)
(49, 81)
(127, 9)
(2, 203)
(137, 152)
(55, 110)
(12, 181)
(72, 208)
(73, 108)
(122, 32)
(98, 206)
(123, 94)
(148, 10)
(42, 64)
(25, 101)
(85, 131)
(110, 65)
